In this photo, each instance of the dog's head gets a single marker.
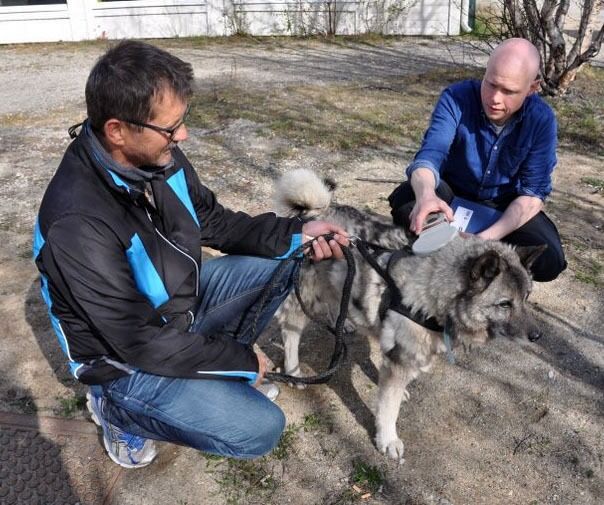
(493, 303)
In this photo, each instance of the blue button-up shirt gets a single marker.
(462, 147)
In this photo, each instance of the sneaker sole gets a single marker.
(107, 443)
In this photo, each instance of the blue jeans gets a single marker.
(228, 418)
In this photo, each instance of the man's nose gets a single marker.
(181, 134)
(496, 97)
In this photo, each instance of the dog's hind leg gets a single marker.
(392, 389)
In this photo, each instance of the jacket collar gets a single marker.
(130, 180)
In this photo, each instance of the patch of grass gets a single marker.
(245, 481)
(286, 443)
(212, 457)
(589, 272)
(335, 116)
(367, 477)
(313, 422)
(349, 116)
(69, 406)
(594, 182)
(580, 114)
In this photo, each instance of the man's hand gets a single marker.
(262, 367)
(426, 200)
(321, 249)
(425, 206)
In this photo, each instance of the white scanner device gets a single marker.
(436, 233)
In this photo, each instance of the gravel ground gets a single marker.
(506, 425)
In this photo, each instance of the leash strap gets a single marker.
(396, 299)
(339, 352)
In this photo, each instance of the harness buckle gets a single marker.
(354, 240)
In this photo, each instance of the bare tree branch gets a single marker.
(563, 52)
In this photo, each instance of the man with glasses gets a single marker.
(491, 142)
(164, 341)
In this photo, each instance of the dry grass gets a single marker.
(581, 113)
(335, 116)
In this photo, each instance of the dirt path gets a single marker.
(505, 425)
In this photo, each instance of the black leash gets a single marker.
(339, 352)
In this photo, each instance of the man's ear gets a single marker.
(113, 130)
(535, 86)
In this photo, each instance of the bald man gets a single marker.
(492, 142)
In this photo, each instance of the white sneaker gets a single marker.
(269, 389)
(125, 449)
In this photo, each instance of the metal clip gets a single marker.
(354, 240)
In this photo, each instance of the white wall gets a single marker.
(92, 19)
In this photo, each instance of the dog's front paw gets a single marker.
(394, 449)
(295, 372)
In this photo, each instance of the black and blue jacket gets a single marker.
(120, 276)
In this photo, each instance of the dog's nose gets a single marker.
(534, 335)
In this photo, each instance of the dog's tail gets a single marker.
(301, 193)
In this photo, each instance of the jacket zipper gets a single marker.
(180, 251)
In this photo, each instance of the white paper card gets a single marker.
(461, 218)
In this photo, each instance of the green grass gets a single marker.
(313, 422)
(589, 272)
(594, 182)
(69, 406)
(244, 481)
(286, 443)
(367, 477)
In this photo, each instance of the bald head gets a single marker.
(512, 75)
(518, 54)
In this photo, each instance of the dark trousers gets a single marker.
(537, 231)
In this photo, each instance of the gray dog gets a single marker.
(475, 289)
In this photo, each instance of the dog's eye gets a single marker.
(505, 304)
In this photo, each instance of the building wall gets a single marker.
(93, 19)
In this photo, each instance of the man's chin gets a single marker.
(498, 118)
(165, 159)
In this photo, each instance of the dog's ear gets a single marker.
(330, 184)
(485, 268)
(529, 253)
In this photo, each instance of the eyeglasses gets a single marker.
(160, 129)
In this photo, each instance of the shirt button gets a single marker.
(495, 148)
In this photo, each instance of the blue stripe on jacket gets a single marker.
(178, 183)
(295, 243)
(145, 274)
(38, 243)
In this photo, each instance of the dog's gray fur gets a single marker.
(480, 286)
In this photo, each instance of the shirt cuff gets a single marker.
(424, 164)
(529, 192)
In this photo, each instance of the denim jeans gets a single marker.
(224, 417)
